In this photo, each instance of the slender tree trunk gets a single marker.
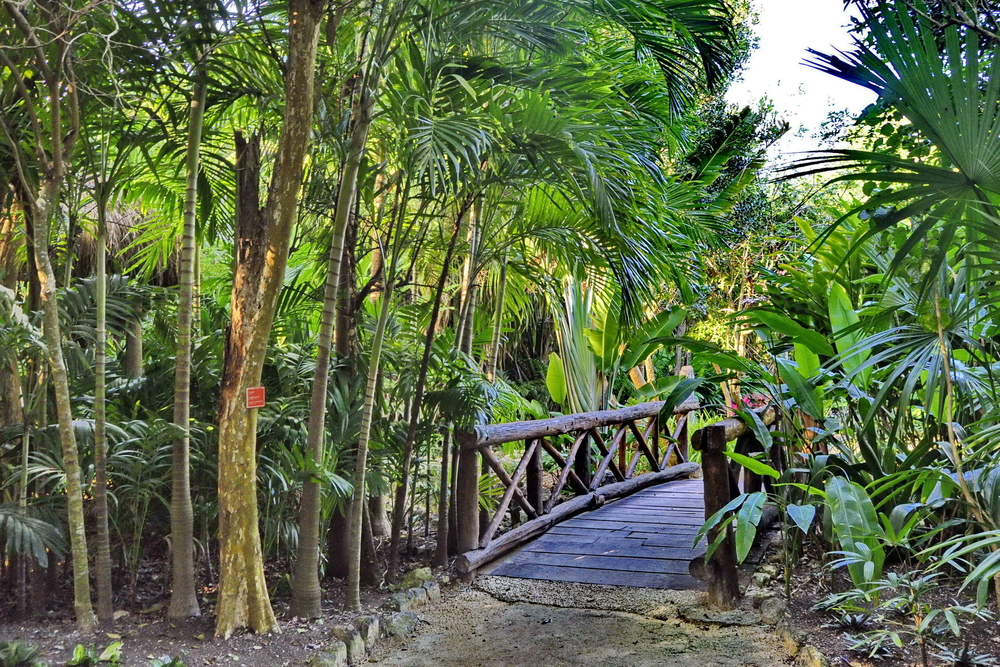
(491, 367)
(441, 551)
(133, 349)
(262, 257)
(306, 591)
(10, 241)
(67, 436)
(353, 601)
(102, 560)
(399, 507)
(183, 598)
(467, 310)
(380, 517)
(22, 490)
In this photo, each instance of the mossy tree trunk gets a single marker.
(261, 259)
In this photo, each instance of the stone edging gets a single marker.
(351, 644)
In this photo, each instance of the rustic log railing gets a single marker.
(631, 436)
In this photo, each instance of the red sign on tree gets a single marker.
(255, 397)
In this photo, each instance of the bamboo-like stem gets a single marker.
(491, 366)
(183, 598)
(102, 560)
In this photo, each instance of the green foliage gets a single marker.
(856, 528)
(87, 656)
(19, 654)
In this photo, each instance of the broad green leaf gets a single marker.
(753, 465)
(844, 320)
(802, 515)
(595, 339)
(657, 387)
(679, 394)
(609, 337)
(798, 333)
(746, 523)
(808, 361)
(754, 423)
(643, 344)
(555, 379)
(856, 525)
(802, 391)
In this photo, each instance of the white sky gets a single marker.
(801, 95)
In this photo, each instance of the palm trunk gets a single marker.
(399, 507)
(133, 349)
(353, 602)
(102, 561)
(491, 367)
(306, 590)
(380, 518)
(67, 436)
(183, 598)
(441, 550)
(22, 495)
(467, 309)
(262, 257)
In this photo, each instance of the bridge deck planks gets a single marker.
(644, 540)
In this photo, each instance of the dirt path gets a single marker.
(474, 629)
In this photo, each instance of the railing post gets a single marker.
(534, 478)
(467, 500)
(683, 437)
(724, 588)
(581, 464)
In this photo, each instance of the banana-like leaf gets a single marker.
(747, 520)
(857, 528)
(555, 379)
(799, 334)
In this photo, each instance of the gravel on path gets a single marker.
(474, 629)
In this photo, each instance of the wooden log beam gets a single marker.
(535, 477)
(561, 462)
(508, 495)
(643, 446)
(609, 458)
(630, 486)
(599, 441)
(473, 560)
(733, 427)
(508, 483)
(567, 469)
(498, 434)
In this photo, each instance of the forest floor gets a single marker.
(507, 622)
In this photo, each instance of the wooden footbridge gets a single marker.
(636, 504)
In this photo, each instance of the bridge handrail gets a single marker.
(499, 434)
